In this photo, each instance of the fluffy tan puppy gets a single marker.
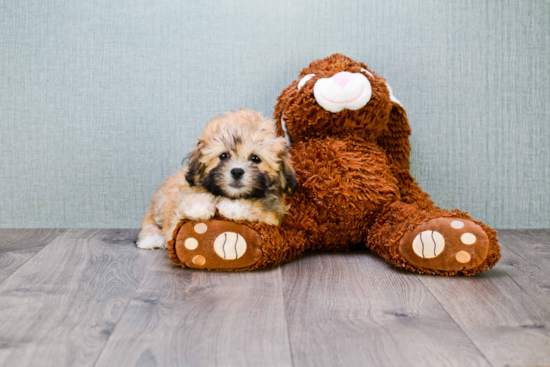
(240, 169)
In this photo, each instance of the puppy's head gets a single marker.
(239, 155)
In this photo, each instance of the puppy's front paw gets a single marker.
(235, 209)
(247, 210)
(198, 207)
(151, 241)
(199, 212)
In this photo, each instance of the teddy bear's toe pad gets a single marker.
(217, 244)
(445, 244)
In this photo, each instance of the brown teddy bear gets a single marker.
(350, 149)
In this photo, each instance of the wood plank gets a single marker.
(353, 309)
(505, 311)
(531, 244)
(61, 306)
(184, 317)
(17, 246)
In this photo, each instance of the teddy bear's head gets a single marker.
(338, 96)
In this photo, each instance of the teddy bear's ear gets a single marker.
(395, 138)
(280, 124)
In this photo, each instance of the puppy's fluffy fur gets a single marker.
(239, 168)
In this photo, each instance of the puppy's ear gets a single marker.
(288, 174)
(195, 166)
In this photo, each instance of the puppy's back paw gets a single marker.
(151, 241)
(217, 244)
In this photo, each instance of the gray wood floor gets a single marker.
(89, 297)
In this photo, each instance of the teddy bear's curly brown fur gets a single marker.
(356, 190)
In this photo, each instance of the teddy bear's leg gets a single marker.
(219, 244)
(433, 242)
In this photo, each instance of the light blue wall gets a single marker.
(100, 100)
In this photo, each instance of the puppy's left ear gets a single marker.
(288, 174)
(195, 167)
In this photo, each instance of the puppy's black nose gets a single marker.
(237, 173)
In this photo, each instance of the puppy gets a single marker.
(240, 168)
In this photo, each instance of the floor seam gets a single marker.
(125, 308)
(286, 316)
(63, 230)
(457, 324)
(518, 254)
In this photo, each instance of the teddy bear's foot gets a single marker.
(217, 244)
(445, 245)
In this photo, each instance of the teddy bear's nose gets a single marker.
(343, 91)
(342, 78)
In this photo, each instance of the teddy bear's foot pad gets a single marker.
(217, 244)
(445, 244)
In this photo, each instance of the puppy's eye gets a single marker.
(255, 159)
(224, 156)
(304, 80)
